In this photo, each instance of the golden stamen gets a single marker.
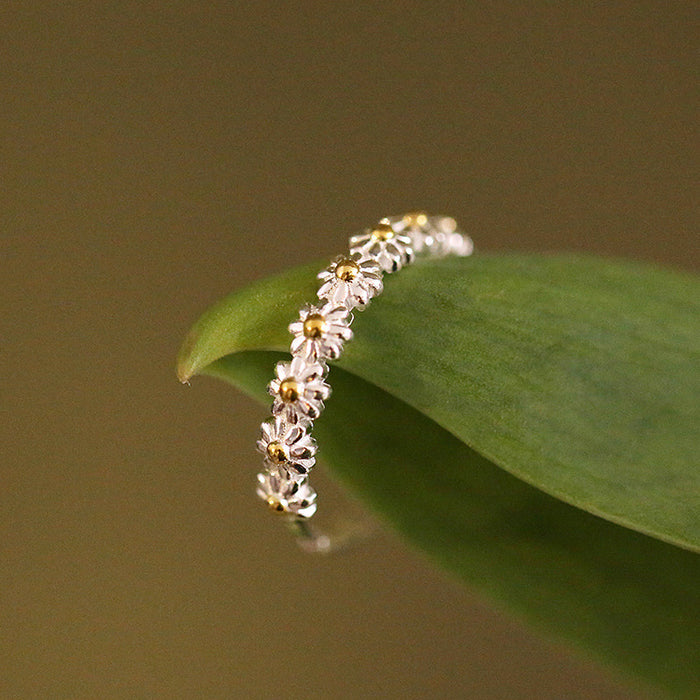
(347, 270)
(382, 232)
(314, 326)
(276, 453)
(275, 504)
(289, 390)
(415, 219)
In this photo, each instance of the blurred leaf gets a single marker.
(578, 376)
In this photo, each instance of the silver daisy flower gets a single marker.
(436, 236)
(320, 332)
(391, 249)
(283, 496)
(351, 280)
(299, 390)
(287, 448)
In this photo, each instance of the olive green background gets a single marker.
(154, 157)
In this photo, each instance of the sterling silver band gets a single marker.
(300, 387)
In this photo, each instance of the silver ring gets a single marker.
(300, 386)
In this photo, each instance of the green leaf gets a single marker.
(578, 376)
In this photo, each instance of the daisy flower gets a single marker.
(286, 448)
(282, 496)
(435, 235)
(351, 280)
(299, 390)
(320, 332)
(391, 249)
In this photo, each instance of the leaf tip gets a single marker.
(186, 366)
(183, 374)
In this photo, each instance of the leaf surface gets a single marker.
(489, 407)
(580, 376)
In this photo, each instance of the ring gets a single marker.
(300, 386)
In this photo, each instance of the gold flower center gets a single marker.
(382, 232)
(415, 219)
(276, 453)
(275, 504)
(347, 270)
(314, 326)
(289, 390)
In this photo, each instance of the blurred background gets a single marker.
(156, 156)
